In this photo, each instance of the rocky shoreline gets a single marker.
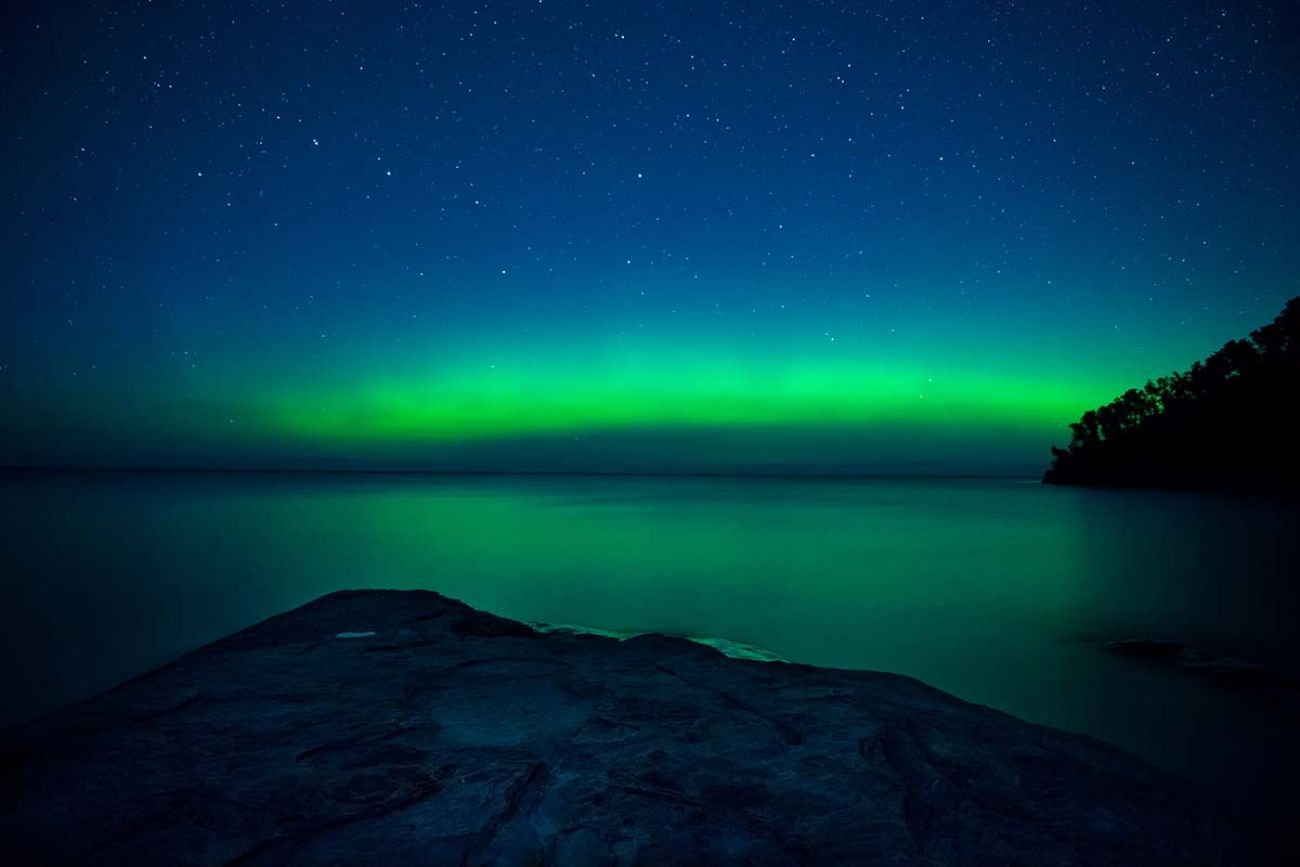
(405, 727)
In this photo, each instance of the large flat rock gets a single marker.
(450, 736)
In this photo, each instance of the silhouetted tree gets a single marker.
(1215, 425)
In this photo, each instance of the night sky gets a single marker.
(554, 235)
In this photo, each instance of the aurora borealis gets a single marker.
(554, 235)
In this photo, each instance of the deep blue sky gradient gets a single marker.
(216, 213)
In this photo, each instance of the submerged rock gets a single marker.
(451, 736)
(1222, 669)
(1147, 647)
(1225, 669)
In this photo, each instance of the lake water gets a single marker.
(1002, 591)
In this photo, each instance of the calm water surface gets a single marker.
(999, 591)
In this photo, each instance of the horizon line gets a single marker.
(340, 471)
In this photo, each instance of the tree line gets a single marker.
(1225, 423)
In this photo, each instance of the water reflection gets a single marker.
(1000, 591)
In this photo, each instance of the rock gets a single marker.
(1221, 669)
(451, 736)
(1238, 672)
(1145, 647)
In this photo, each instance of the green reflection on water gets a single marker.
(1000, 591)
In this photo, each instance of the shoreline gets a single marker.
(409, 723)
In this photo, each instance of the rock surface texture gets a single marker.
(406, 728)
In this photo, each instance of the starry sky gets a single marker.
(825, 236)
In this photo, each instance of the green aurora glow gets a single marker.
(613, 236)
(657, 406)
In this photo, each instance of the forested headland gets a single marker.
(1229, 422)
